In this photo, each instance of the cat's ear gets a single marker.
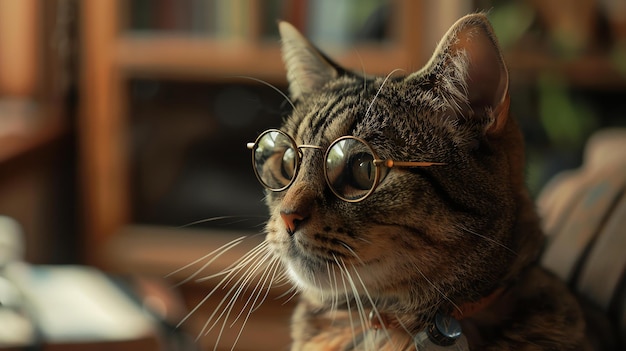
(468, 63)
(308, 69)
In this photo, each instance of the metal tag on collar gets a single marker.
(444, 330)
(444, 333)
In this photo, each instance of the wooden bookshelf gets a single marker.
(200, 59)
(34, 126)
(593, 71)
(31, 111)
(112, 56)
(196, 59)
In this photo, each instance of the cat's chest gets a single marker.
(341, 330)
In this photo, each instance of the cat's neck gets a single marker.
(381, 320)
(474, 317)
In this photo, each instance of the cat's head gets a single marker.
(426, 237)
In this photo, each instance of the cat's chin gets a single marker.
(304, 282)
(327, 280)
(315, 269)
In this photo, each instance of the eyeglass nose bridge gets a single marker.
(304, 146)
(301, 155)
(307, 146)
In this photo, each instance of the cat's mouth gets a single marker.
(329, 273)
(325, 278)
(327, 260)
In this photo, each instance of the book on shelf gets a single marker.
(328, 22)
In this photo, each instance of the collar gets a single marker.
(467, 310)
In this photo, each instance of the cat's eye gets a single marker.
(288, 166)
(275, 159)
(352, 168)
(363, 171)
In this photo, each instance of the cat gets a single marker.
(397, 199)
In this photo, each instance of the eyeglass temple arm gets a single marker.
(392, 163)
(305, 146)
(386, 163)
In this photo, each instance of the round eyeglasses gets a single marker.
(352, 169)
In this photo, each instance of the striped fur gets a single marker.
(428, 239)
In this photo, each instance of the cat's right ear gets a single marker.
(469, 69)
(308, 70)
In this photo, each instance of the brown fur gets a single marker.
(426, 240)
(404, 252)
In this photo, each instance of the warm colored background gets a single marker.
(121, 121)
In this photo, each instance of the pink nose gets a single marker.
(291, 219)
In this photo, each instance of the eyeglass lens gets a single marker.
(275, 160)
(349, 169)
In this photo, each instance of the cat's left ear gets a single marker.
(469, 64)
(308, 69)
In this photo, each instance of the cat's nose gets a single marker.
(292, 219)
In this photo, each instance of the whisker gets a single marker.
(318, 282)
(294, 292)
(352, 252)
(365, 319)
(271, 86)
(380, 89)
(219, 274)
(199, 305)
(358, 55)
(491, 240)
(369, 297)
(436, 288)
(404, 327)
(275, 267)
(281, 281)
(240, 286)
(359, 304)
(365, 240)
(345, 291)
(217, 252)
(269, 271)
(251, 260)
(333, 290)
(225, 313)
(239, 263)
(232, 271)
(272, 268)
(240, 219)
(336, 291)
(365, 290)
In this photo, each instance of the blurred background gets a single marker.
(123, 124)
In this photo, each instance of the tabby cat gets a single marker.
(397, 199)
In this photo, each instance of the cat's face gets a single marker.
(427, 236)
